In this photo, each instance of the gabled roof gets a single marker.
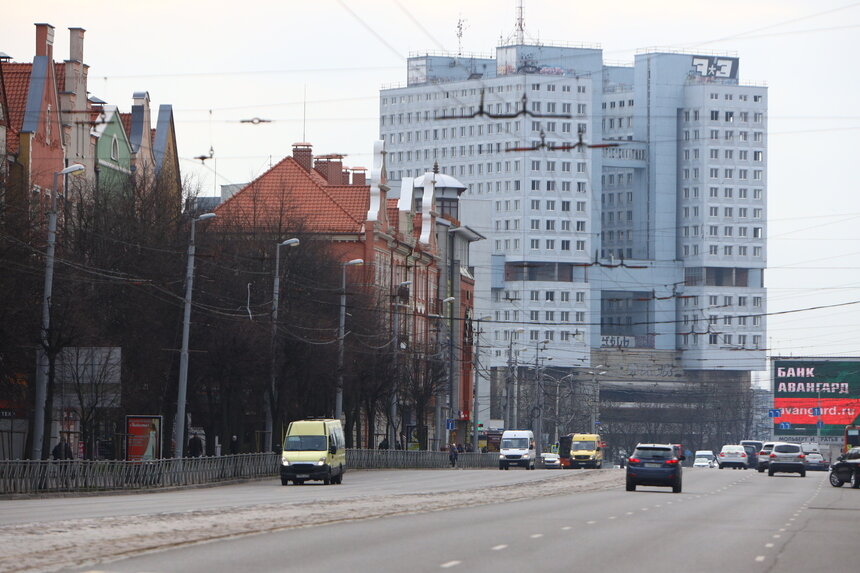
(287, 193)
(17, 80)
(125, 118)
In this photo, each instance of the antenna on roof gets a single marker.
(521, 25)
(304, 112)
(460, 23)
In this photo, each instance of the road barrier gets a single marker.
(29, 477)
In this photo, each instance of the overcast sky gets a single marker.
(315, 67)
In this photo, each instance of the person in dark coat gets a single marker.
(234, 445)
(62, 451)
(195, 446)
(452, 455)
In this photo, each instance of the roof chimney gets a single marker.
(45, 40)
(359, 176)
(330, 167)
(76, 44)
(303, 155)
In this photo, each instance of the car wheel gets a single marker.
(327, 478)
(298, 481)
(835, 481)
(770, 473)
(284, 481)
(803, 473)
(761, 470)
(631, 486)
(855, 479)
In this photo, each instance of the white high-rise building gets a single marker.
(624, 207)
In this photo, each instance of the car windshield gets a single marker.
(705, 456)
(584, 445)
(653, 453)
(305, 444)
(515, 443)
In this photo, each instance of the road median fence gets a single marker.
(32, 477)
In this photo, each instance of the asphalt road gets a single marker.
(723, 521)
(355, 483)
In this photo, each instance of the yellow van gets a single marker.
(583, 451)
(313, 450)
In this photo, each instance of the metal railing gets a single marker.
(32, 477)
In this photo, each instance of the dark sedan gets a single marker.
(654, 464)
(846, 469)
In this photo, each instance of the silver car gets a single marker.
(786, 458)
(764, 456)
(733, 456)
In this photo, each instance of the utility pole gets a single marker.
(271, 397)
(338, 398)
(183, 356)
(43, 365)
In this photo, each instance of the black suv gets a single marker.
(846, 469)
(654, 464)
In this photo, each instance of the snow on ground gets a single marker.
(73, 543)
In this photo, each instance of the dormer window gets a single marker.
(114, 149)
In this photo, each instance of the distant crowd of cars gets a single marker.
(660, 464)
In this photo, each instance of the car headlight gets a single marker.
(501, 456)
(285, 462)
(321, 462)
(525, 456)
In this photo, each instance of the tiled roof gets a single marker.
(287, 194)
(125, 118)
(16, 78)
(60, 75)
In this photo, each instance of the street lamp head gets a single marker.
(449, 299)
(353, 262)
(405, 283)
(291, 243)
(73, 168)
(205, 216)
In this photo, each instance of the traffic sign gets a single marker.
(774, 413)
(816, 411)
(785, 425)
(450, 425)
(820, 424)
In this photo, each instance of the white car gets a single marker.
(733, 456)
(703, 463)
(550, 460)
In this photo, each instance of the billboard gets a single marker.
(143, 438)
(815, 397)
(716, 67)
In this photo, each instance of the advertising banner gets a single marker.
(142, 438)
(815, 397)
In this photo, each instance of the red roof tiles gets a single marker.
(16, 78)
(287, 194)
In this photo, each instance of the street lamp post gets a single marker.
(338, 399)
(183, 356)
(476, 365)
(392, 414)
(270, 397)
(539, 391)
(43, 362)
(510, 387)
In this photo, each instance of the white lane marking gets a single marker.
(565, 528)
(499, 547)
(760, 558)
(592, 522)
(768, 545)
(611, 517)
(450, 564)
(629, 513)
(644, 509)
(536, 535)
(777, 536)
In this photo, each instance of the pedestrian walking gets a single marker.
(452, 455)
(195, 446)
(62, 451)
